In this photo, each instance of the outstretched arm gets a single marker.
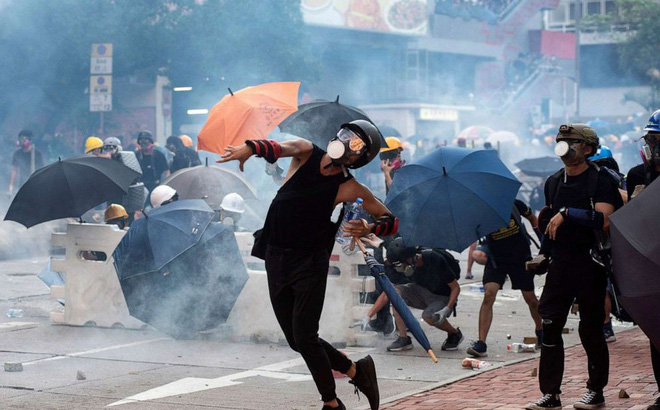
(269, 149)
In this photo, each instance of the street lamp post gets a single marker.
(578, 18)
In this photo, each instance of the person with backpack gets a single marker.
(579, 200)
(434, 288)
(507, 252)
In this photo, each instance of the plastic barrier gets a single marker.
(91, 293)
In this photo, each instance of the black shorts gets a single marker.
(520, 278)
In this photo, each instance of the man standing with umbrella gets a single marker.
(580, 197)
(298, 237)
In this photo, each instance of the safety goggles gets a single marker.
(572, 141)
(355, 144)
(652, 139)
(109, 148)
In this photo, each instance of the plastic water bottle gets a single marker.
(14, 312)
(353, 212)
(521, 348)
(469, 363)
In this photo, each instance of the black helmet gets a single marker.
(145, 135)
(397, 251)
(370, 135)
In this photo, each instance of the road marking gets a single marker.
(11, 326)
(196, 384)
(102, 349)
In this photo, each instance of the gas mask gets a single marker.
(345, 144)
(24, 143)
(397, 163)
(146, 146)
(651, 151)
(564, 150)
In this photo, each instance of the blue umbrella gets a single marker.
(378, 272)
(163, 234)
(452, 197)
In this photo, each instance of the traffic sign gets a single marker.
(102, 50)
(100, 65)
(100, 102)
(100, 84)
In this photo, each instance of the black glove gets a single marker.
(373, 264)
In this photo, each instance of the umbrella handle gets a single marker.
(430, 352)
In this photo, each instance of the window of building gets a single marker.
(593, 7)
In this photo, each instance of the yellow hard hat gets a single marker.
(115, 211)
(93, 143)
(392, 144)
(187, 141)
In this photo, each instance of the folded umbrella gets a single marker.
(540, 167)
(163, 234)
(250, 113)
(636, 259)
(193, 292)
(452, 197)
(378, 272)
(68, 188)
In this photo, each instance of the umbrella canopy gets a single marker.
(540, 167)
(195, 291)
(503, 137)
(319, 121)
(163, 234)
(636, 259)
(475, 132)
(452, 197)
(389, 131)
(68, 188)
(250, 113)
(210, 183)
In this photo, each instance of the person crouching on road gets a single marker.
(298, 237)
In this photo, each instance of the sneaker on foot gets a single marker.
(478, 349)
(401, 343)
(340, 407)
(608, 332)
(453, 340)
(365, 381)
(654, 406)
(469, 275)
(539, 337)
(591, 400)
(548, 401)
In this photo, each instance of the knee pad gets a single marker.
(552, 331)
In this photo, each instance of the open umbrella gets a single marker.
(319, 121)
(69, 188)
(503, 137)
(195, 291)
(540, 167)
(163, 234)
(210, 183)
(475, 132)
(250, 113)
(452, 197)
(378, 272)
(636, 259)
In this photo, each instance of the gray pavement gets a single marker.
(146, 369)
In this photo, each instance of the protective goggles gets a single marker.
(652, 139)
(346, 143)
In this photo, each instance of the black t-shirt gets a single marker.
(23, 163)
(637, 176)
(435, 274)
(509, 244)
(184, 158)
(575, 194)
(152, 166)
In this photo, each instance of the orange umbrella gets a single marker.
(250, 113)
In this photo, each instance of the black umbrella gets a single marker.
(319, 121)
(195, 291)
(163, 234)
(636, 259)
(69, 188)
(211, 183)
(540, 167)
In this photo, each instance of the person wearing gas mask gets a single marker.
(390, 160)
(25, 161)
(298, 237)
(152, 161)
(184, 157)
(639, 177)
(433, 288)
(579, 199)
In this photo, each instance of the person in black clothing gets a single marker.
(508, 250)
(298, 236)
(580, 199)
(152, 161)
(639, 177)
(25, 161)
(433, 288)
(184, 157)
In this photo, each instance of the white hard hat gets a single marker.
(233, 203)
(160, 194)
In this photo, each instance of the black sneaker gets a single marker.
(478, 349)
(591, 400)
(365, 381)
(654, 406)
(401, 343)
(340, 407)
(548, 401)
(453, 340)
(539, 337)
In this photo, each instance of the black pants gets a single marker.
(296, 283)
(571, 276)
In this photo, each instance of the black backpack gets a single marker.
(452, 263)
